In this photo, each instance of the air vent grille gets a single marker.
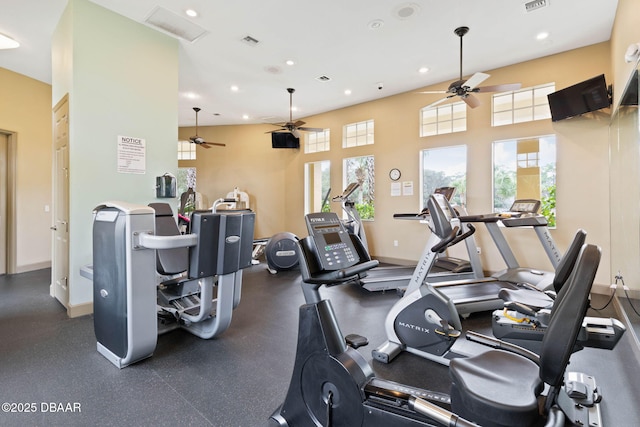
(251, 41)
(535, 4)
(323, 78)
(175, 25)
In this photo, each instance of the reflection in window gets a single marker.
(317, 141)
(522, 105)
(361, 170)
(444, 167)
(317, 183)
(357, 134)
(443, 119)
(186, 150)
(525, 169)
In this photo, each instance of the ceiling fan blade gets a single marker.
(471, 101)
(306, 129)
(281, 124)
(217, 144)
(277, 130)
(475, 80)
(203, 145)
(499, 88)
(298, 123)
(434, 91)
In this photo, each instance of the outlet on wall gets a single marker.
(479, 250)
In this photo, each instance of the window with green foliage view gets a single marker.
(525, 168)
(361, 170)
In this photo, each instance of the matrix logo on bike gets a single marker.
(414, 327)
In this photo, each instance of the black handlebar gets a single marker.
(444, 243)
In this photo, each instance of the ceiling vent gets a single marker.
(251, 41)
(535, 4)
(175, 25)
(323, 78)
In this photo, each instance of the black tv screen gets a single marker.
(284, 140)
(589, 95)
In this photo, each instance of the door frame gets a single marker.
(12, 141)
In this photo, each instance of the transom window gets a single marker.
(357, 134)
(317, 141)
(524, 105)
(443, 119)
(186, 150)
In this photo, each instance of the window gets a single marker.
(444, 167)
(361, 170)
(356, 134)
(186, 179)
(186, 150)
(317, 141)
(525, 169)
(443, 119)
(317, 185)
(524, 105)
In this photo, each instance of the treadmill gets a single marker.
(523, 213)
(440, 268)
(470, 296)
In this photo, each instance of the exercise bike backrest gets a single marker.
(329, 255)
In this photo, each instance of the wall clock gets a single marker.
(394, 174)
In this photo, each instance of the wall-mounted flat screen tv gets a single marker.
(284, 140)
(589, 95)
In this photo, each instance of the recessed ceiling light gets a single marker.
(294, 108)
(7, 42)
(245, 116)
(423, 70)
(290, 62)
(234, 88)
(347, 92)
(543, 35)
(191, 95)
(376, 24)
(190, 12)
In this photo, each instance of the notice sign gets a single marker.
(131, 155)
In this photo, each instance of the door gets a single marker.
(4, 143)
(60, 264)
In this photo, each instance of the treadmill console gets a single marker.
(334, 245)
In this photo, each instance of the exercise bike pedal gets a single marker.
(355, 340)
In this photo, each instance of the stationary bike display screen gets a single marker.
(335, 249)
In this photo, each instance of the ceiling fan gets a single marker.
(291, 126)
(466, 88)
(199, 140)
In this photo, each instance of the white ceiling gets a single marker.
(330, 38)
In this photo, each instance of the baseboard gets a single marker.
(33, 267)
(624, 318)
(80, 310)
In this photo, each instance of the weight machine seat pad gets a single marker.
(496, 389)
(168, 261)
